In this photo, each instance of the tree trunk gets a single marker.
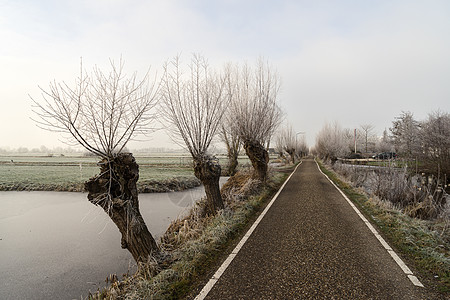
(291, 153)
(232, 163)
(259, 157)
(233, 143)
(208, 171)
(114, 189)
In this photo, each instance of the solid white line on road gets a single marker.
(415, 281)
(204, 292)
(386, 246)
(400, 262)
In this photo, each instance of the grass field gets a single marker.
(70, 172)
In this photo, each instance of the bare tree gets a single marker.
(435, 140)
(351, 137)
(103, 112)
(367, 133)
(229, 136)
(405, 134)
(233, 144)
(194, 104)
(356, 140)
(289, 141)
(279, 146)
(384, 143)
(331, 142)
(302, 147)
(256, 113)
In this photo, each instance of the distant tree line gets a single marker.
(42, 149)
(289, 145)
(426, 142)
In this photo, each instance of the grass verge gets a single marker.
(39, 176)
(422, 243)
(195, 246)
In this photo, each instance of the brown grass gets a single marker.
(192, 244)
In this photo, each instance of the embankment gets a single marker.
(174, 184)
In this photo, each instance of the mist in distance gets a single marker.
(348, 61)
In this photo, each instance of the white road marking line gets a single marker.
(400, 262)
(415, 281)
(207, 288)
(386, 246)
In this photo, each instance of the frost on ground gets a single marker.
(192, 242)
(173, 184)
(411, 210)
(417, 195)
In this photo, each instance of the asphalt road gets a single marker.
(312, 245)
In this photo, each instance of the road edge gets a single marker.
(415, 281)
(210, 284)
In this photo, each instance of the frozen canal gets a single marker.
(57, 245)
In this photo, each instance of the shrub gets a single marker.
(418, 196)
(192, 243)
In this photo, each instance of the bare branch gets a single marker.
(194, 104)
(102, 112)
(255, 107)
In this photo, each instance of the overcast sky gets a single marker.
(355, 62)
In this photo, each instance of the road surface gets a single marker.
(311, 244)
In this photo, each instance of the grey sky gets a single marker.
(355, 62)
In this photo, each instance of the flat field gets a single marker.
(68, 173)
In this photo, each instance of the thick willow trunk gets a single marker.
(232, 164)
(114, 189)
(233, 147)
(259, 157)
(291, 153)
(208, 170)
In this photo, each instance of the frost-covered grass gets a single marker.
(67, 177)
(69, 173)
(157, 172)
(195, 243)
(424, 242)
(417, 195)
(43, 177)
(160, 159)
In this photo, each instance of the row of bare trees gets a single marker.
(426, 141)
(104, 111)
(287, 141)
(255, 111)
(333, 141)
